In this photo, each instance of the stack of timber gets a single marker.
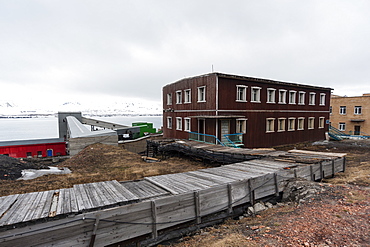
(105, 213)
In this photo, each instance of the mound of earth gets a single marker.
(11, 168)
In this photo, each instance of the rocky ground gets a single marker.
(334, 212)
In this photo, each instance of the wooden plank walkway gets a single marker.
(173, 196)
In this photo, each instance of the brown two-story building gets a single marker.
(267, 113)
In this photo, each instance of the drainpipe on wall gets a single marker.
(216, 95)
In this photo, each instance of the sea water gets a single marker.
(12, 129)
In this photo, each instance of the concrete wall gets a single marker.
(138, 145)
(75, 145)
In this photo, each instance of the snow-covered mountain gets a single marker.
(92, 108)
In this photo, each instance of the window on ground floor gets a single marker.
(300, 123)
(321, 122)
(342, 126)
(311, 123)
(291, 124)
(270, 122)
(169, 122)
(281, 124)
(241, 126)
(187, 124)
(178, 123)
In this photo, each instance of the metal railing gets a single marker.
(211, 139)
(234, 140)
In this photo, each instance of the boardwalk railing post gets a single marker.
(154, 220)
(251, 192)
(276, 184)
(197, 207)
(344, 163)
(311, 173)
(321, 172)
(93, 236)
(332, 168)
(230, 199)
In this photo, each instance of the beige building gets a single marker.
(351, 115)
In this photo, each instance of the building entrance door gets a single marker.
(201, 129)
(225, 129)
(357, 130)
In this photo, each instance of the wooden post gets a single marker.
(295, 172)
(251, 192)
(154, 220)
(197, 207)
(276, 184)
(344, 163)
(321, 171)
(230, 197)
(332, 168)
(311, 172)
(93, 236)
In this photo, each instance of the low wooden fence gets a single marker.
(150, 218)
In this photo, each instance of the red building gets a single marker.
(267, 113)
(34, 148)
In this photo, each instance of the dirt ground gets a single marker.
(337, 215)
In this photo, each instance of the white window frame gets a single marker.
(187, 96)
(321, 122)
(291, 127)
(169, 122)
(358, 110)
(169, 99)
(243, 123)
(312, 99)
(301, 97)
(342, 126)
(281, 124)
(271, 95)
(242, 96)
(282, 96)
(178, 97)
(202, 94)
(322, 99)
(343, 110)
(178, 123)
(292, 100)
(257, 92)
(270, 125)
(187, 124)
(311, 123)
(300, 123)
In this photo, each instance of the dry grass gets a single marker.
(98, 163)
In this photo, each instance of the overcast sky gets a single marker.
(73, 50)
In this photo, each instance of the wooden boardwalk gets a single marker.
(155, 202)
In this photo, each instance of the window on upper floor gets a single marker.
(187, 96)
(342, 110)
(178, 97)
(311, 123)
(178, 123)
(301, 96)
(300, 123)
(358, 110)
(312, 99)
(169, 99)
(271, 95)
(292, 97)
(270, 124)
(202, 94)
(256, 95)
(321, 122)
(187, 124)
(342, 126)
(282, 96)
(241, 93)
(169, 122)
(322, 98)
(281, 124)
(291, 124)
(241, 125)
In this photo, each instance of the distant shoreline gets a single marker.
(35, 115)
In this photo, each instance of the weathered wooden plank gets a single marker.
(62, 202)
(175, 210)
(96, 200)
(213, 199)
(338, 155)
(47, 199)
(251, 168)
(144, 189)
(105, 193)
(116, 193)
(82, 197)
(173, 186)
(6, 203)
(35, 203)
(211, 177)
(240, 193)
(125, 192)
(73, 200)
